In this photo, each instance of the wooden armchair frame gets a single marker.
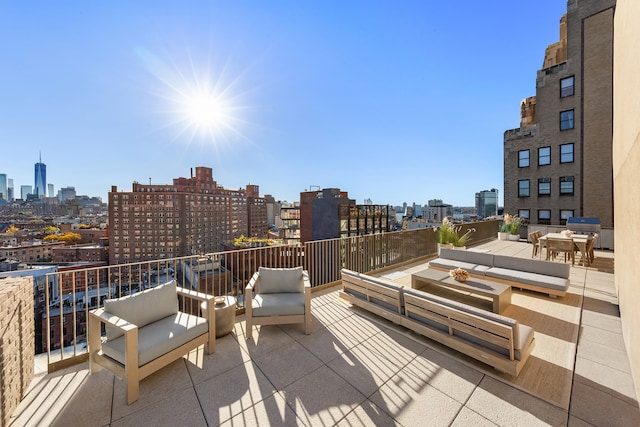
(130, 371)
(254, 288)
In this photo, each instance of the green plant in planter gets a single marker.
(516, 223)
(505, 227)
(448, 233)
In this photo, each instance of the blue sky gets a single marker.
(394, 101)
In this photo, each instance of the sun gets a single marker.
(206, 112)
(202, 106)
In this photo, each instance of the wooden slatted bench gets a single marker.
(374, 294)
(496, 340)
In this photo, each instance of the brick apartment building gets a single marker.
(330, 213)
(558, 163)
(191, 216)
(256, 213)
(80, 253)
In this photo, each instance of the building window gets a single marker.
(544, 216)
(566, 186)
(566, 153)
(524, 214)
(566, 120)
(565, 214)
(544, 156)
(566, 87)
(523, 188)
(523, 158)
(544, 186)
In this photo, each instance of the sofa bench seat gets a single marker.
(159, 337)
(516, 277)
(540, 276)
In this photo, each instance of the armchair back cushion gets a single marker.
(143, 307)
(280, 280)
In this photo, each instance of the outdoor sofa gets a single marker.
(496, 340)
(541, 276)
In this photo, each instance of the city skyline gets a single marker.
(393, 103)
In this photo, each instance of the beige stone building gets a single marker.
(558, 163)
(626, 164)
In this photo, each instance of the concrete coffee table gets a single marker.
(499, 293)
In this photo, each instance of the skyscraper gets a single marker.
(40, 186)
(3, 186)
(487, 203)
(10, 193)
(25, 190)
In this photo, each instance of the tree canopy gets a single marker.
(67, 238)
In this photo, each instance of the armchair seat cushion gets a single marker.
(284, 304)
(159, 337)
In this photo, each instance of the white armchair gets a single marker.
(277, 296)
(147, 331)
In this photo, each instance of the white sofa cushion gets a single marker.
(283, 304)
(280, 280)
(524, 277)
(159, 337)
(450, 264)
(143, 307)
(472, 257)
(547, 268)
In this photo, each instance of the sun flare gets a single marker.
(204, 106)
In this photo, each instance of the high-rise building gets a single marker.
(25, 190)
(487, 203)
(360, 220)
(66, 193)
(3, 187)
(192, 216)
(558, 163)
(256, 213)
(10, 190)
(289, 224)
(40, 178)
(437, 210)
(50, 190)
(319, 213)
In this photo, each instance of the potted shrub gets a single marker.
(514, 228)
(505, 227)
(448, 235)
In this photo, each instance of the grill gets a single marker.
(584, 225)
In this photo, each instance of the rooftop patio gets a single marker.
(358, 369)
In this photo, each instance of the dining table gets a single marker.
(579, 240)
